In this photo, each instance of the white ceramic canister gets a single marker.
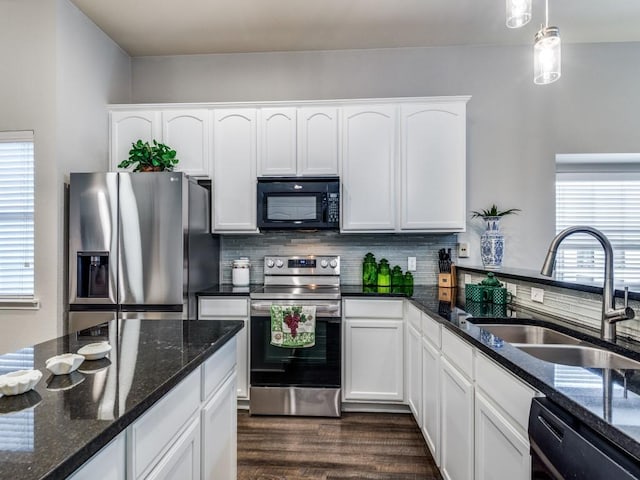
(240, 272)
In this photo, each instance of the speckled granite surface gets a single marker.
(581, 391)
(52, 430)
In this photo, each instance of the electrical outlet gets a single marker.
(511, 288)
(411, 264)
(537, 295)
(467, 278)
(463, 250)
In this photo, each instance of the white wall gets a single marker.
(57, 73)
(515, 128)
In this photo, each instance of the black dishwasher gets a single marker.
(562, 447)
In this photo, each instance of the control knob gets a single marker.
(324, 263)
(270, 263)
(333, 263)
(279, 263)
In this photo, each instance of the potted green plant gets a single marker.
(150, 158)
(492, 240)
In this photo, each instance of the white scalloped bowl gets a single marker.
(18, 382)
(95, 351)
(64, 364)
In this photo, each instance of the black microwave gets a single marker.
(298, 203)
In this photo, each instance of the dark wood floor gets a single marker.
(358, 445)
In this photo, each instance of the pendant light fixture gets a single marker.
(518, 13)
(546, 53)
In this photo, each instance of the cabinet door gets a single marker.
(433, 166)
(368, 173)
(182, 461)
(277, 132)
(189, 134)
(219, 437)
(234, 170)
(413, 373)
(318, 141)
(501, 453)
(431, 398)
(107, 464)
(374, 362)
(129, 127)
(457, 424)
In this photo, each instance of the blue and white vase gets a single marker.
(492, 244)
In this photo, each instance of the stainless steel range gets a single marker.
(297, 381)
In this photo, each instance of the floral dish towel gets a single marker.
(293, 326)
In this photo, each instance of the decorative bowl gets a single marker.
(18, 382)
(64, 364)
(95, 351)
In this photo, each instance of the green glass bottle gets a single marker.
(384, 273)
(397, 280)
(408, 284)
(369, 271)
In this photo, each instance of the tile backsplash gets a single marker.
(351, 248)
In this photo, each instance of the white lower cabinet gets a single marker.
(501, 451)
(431, 398)
(457, 435)
(414, 372)
(232, 308)
(219, 434)
(182, 461)
(107, 464)
(373, 350)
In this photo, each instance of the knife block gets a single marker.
(447, 280)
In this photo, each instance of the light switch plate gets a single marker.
(463, 250)
(511, 288)
(411, 264)
(537, 295)
(467, 278)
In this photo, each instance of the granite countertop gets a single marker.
(52, 430)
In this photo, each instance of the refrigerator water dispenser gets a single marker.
(93, 275)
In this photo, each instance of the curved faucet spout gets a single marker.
(610, 315)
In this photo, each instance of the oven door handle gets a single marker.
(266, 308)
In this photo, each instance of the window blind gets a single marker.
(16, 215)
(605, 194)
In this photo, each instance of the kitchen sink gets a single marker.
(528, 334)
(580, 356)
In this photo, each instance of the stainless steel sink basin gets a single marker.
(528, 334)
(580, 356)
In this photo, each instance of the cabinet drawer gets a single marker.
(431, 330)
(459, 352)
(373, 308)
(154, 433)
(508, 392)
(216, 368)
(221, 307)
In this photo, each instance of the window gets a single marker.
(16, 216)
(601, 191)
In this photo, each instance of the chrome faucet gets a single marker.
(610, 315)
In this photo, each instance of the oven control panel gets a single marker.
(302, 265)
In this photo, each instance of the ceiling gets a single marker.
(166, 27)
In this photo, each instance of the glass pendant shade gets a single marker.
(546, 54)
(518, 13)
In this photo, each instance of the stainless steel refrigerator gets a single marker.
(140, 246)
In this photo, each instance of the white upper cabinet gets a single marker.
(368, 160)
(298, 141)
(318, 151)
(188, 133)
(277, 153)
(433, 166)
(234, 170)
(128, 127)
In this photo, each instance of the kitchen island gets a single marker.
(51, 431)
